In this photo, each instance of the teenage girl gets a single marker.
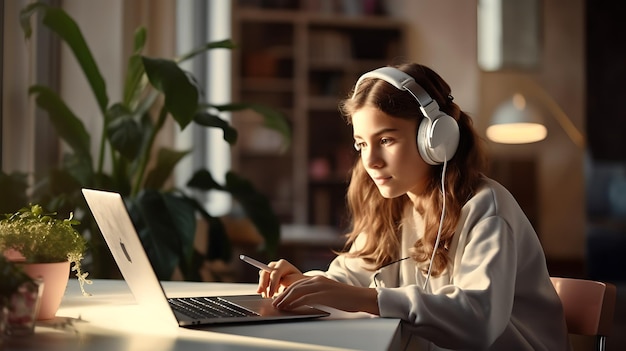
(433, 241)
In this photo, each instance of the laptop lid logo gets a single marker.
(125, 251)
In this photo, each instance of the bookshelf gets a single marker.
(302, 58)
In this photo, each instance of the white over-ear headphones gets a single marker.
(438, 133)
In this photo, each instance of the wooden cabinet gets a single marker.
(302, 62)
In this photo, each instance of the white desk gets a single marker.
(110, 320)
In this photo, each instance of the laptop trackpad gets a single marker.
(264, 307)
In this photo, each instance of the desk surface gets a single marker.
(110, 319)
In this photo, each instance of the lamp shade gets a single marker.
(516, 122)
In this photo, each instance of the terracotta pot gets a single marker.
(55, 277)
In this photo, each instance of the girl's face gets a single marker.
(389, 152)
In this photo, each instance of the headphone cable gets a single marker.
(443, 214)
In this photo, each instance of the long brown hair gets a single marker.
(380, 218)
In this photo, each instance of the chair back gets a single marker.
(588, 306)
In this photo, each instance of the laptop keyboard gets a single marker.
(208, 307)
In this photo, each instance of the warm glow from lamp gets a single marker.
(516, 122)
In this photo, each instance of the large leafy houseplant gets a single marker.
(165, 217)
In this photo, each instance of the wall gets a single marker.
(18, 122)
(443, 36)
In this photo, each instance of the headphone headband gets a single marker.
(398, 79)
(403, 81)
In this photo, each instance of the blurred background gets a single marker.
(564, 57)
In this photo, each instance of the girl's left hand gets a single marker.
(319, 290)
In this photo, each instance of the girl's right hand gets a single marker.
(282, 275)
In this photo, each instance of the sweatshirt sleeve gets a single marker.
(473, 310)
(349, 270)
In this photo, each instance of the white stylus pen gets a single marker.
(256, 263)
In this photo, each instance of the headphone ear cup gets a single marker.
(422, 140)
(437, 141)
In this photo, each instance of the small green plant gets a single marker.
(41, 238)
(12, 277)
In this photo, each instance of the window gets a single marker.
(198, 22)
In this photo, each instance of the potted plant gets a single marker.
(19, 299)
(45, 247)
(137, 168)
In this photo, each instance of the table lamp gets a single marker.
(515, 121)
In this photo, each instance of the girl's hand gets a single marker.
(320, 290)
(283, 275)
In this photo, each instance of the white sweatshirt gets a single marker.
(495, 295)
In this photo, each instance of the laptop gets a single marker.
(112, 217)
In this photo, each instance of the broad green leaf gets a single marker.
(166, 226)
(125, 136)
(203, 180)
(147, 125)
(272, 118)
(65, 27)
(209, 120)
(140, 38)
(134, 74)
(222, 44)
(181, 96)
(182, 213)
(139, 166)
(135, 71)
(67, 125)
(167, 159)
(124, 132)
